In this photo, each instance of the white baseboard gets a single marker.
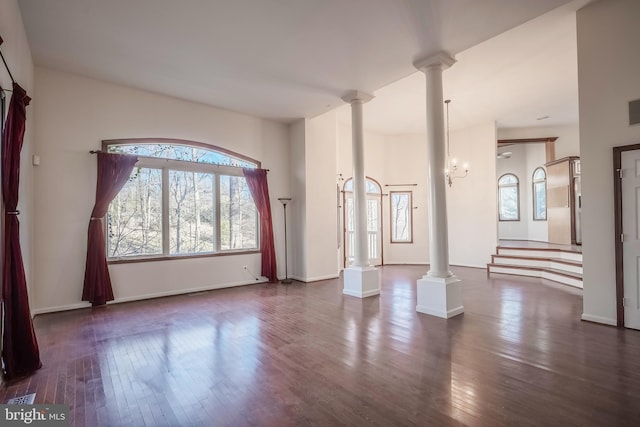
(85, 304)
(483, 267)
(361, 294)
(315, 279)
(599, 319)
(54, 309)
(406, 263)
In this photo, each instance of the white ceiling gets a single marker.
(515, 78)
(286, 59)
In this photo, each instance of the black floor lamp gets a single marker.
(286, 280)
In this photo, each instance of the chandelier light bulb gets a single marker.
(452, 172)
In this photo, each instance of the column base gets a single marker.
(440, 296)
(361, 282)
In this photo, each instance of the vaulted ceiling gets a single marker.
(286, 59)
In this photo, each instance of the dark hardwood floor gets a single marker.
(304, 354)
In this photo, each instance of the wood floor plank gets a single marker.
(304, 354)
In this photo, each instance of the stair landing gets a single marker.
(558, 263)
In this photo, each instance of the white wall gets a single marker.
(407, 163)
(297, 212)
(472, 201)
(314, 240)
(17, 53)
(609, 77)
(517, 165)
(74, 115)
(321, 242)
(536, 157)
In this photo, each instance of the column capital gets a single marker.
(442, 59)
(357, 96)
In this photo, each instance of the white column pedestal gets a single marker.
(440, 296)
(361, 282)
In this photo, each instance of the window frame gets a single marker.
(409, 193)
(517, 186)
(535, 181)
(165, 165)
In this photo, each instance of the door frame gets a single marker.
(617, 196)
(344, 220)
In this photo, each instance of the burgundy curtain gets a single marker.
(20, 347)
(257, 182)
(113, 172)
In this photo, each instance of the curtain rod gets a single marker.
(401, 185)
(212, 164)
(5, 63)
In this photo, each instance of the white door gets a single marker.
(631, 231)
(374, 223)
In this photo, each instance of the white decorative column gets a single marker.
(439, 291)
(361, 279)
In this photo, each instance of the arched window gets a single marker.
(508, 198)
(183, 198)
(539, 195)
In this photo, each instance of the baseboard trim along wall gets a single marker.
(314, 279)
(146, 296)
(599, 319)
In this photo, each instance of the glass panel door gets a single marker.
(374, 224)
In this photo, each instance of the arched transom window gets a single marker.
(183, 198)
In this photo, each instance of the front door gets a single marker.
(631, 240)
(374, 222)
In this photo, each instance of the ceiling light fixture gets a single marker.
(451, 172)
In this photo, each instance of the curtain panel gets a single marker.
(20, 348)
(113, 172)
(259, 188)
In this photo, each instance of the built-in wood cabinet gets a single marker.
(562, 209)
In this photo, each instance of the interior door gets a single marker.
(631, 240)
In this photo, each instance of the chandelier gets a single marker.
(453, 171)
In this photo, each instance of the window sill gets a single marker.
(130, 260)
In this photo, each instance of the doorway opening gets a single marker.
(374, 222)
(626, 188)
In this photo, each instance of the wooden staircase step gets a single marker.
(533, 258)
(573, 279)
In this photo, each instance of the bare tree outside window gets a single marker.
(134, 219)
(181, 200)
(539, 195)
(508, 198)
(238, 214)
(401, 217)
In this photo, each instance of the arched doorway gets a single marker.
(374, 221)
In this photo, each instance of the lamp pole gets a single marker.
(284, 201)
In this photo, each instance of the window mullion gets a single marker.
(166, 238)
